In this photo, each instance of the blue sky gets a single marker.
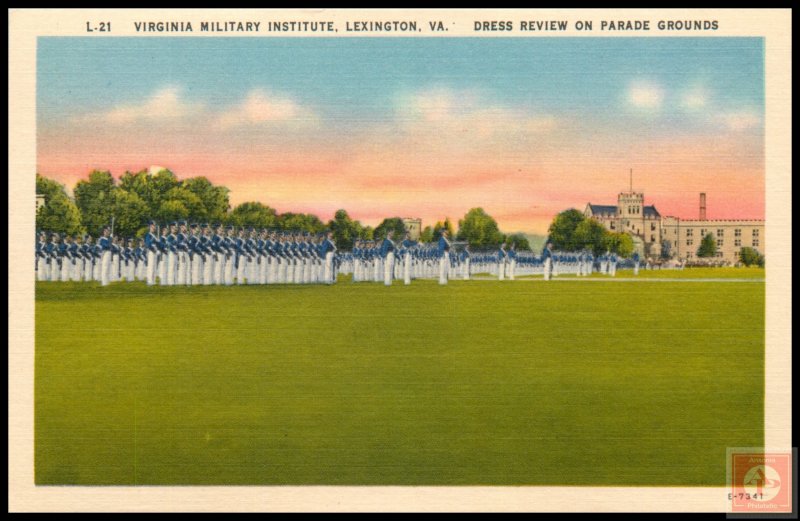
(357, 77)
(524, 127)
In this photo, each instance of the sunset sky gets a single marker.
(416, 127)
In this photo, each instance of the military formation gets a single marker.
(183, 254)
(190, 254)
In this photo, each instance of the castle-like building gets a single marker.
(655, 235)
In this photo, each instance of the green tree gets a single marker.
(619, 243)
(300, 222)
(214, 199)
(426, 235)
(141, 184)
(193, 204)
(367, 233)
(480, 230)
(130, 212)
(750, 256)
(562, 230)
(345, 230)
(253, 214)
(392, 223)
(163, 181)
(59, 213)
(49, 188)
(171, 211)
(519, 241)
(708, 247)
(437, 229)
(590, 234)
(93, 197)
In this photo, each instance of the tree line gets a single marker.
(573, 231)
(137, 197)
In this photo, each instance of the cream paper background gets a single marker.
(26, 25)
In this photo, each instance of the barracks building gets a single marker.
(680, 237)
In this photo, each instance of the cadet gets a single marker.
(512, 261)
(328, 250)
(636, 263)
(387, 254)
(547, 255)
(150, 244)
(501, 262)
(87, 250)
(163, 256)
(172, 254)
(444, 257)
(64, 250)
(407, 245)
(104, 243)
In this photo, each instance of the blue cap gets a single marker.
(174, 223)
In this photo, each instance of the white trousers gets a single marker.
(241, 269)
(88, 269)
(208, 269)
(328, 274)
(512, 267)
(548, 268)
(388, 269)
(444, 268)
(230, 265)
(407, 269)
(172, 268)
(272, 270)
(151, 268)
(105, 268)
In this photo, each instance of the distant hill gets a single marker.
(536, 241)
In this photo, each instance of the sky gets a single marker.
(416, 127)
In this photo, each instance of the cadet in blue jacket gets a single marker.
(444, 257)
(547, 255)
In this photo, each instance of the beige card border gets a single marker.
(26, 25)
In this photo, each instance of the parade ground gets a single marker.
(481, 382)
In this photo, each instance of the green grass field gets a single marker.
(475, 383)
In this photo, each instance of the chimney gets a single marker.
(703, 206)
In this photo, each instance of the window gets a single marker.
(652, 226)
(652, 238)
(703, 232)
(737, 242)
(611, 225)
(719, 243)
(755, 233)
(755, 242)
(689, 242)
(720, 232)
(690, 232)
(737, 232)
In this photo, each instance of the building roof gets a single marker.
(650, 211)
(598, 209)
(602, 208)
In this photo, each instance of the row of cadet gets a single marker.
(386, 261)
(182, 254)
